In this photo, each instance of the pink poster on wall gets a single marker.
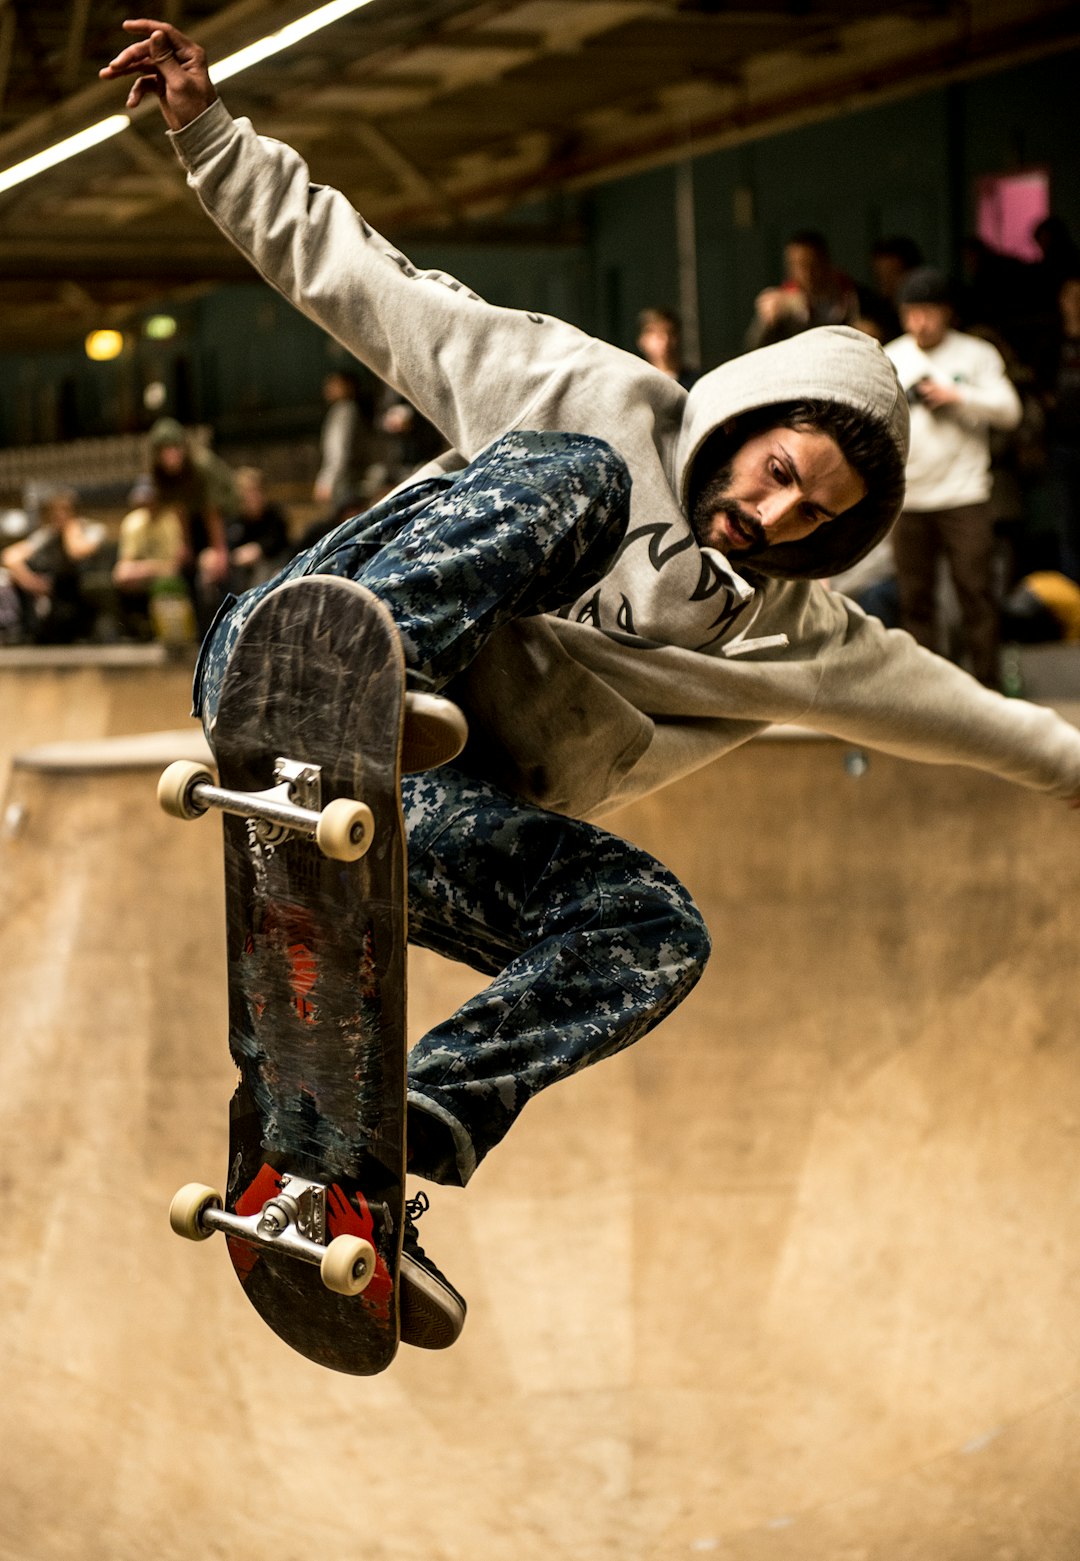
(1009, 207)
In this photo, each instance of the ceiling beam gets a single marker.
(414, 182)
(158, 259)
(7, 44)
(236, 25)
(72, 67)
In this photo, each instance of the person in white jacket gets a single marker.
(958, 390)
(623, 581)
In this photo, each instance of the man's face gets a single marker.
(658, 341)
(889, 271)
(171, 458)
(928, 323)
(780, 486)
(804, 266)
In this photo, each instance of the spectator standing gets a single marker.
(402, 441)
(1060, 257)
(46, 570)
(1063, 426)
(813, 292)
(339, 440)
(659, 341)
(958, 390)
(891, 260)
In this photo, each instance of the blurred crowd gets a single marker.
(195, 528)
(987, 550)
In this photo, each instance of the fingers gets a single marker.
(141, 87)
(167, 64)
(165, 48)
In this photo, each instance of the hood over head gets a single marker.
(167, 431)
(832, 363)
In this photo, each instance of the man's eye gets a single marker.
(778, 473)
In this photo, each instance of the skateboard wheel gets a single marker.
(176, 788)
(345, 829)
(348, 1265)
(188, 1207)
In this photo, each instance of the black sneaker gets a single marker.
(432, 1311)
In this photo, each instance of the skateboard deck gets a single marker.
(316, 966)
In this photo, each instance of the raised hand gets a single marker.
(168, 64)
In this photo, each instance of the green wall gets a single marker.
(249, 364)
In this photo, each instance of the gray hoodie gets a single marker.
(676, 657)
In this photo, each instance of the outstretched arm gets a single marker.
(472, 369)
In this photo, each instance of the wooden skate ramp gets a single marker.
(795, 1279)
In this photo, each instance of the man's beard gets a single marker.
(715, 499)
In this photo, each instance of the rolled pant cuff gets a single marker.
(450, 1171)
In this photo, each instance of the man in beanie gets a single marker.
(604, 638)
(958, 391)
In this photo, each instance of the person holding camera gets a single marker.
(958, 390)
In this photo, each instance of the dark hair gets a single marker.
(926, 285)
(810, 238)
(865, 441)
(659, 317)
(901, 248)
(348, 377)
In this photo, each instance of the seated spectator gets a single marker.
(199, 487)
(259, 536)
(660, 343)
(45, 570)
(152, 555)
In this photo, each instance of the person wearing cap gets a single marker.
(625, 582)
(958, 390)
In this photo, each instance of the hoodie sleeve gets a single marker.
(880, 688)
(469, 367)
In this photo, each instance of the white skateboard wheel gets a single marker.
(345, 829)
(348, 1265)
(175, 792)
(188, 1207)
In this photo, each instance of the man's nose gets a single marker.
(777, 508)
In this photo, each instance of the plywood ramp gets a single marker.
(796, 1278)
(73, 695)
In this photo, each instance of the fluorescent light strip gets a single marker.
(273, 43)
(62, 150)
(231, 65)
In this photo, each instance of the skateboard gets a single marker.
(308, 750)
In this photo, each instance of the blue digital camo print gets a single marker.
(589, 940)
(528, 525)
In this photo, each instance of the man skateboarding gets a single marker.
(599, 654)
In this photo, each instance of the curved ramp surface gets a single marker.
(795, 1278)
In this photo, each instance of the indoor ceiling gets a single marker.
(436, 114)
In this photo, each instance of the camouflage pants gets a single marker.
(589, 941)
